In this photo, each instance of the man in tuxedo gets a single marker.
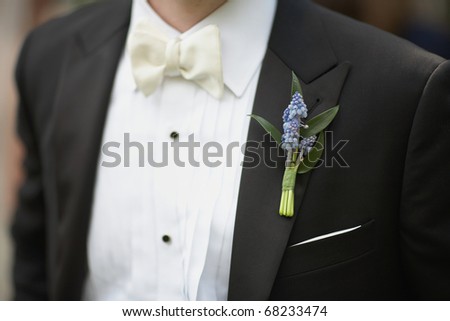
(377, 229)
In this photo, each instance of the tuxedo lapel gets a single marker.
(81, 107)
(261, 234)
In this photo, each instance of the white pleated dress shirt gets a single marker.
(165, 233)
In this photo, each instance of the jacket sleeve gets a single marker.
(425, 207)
(28, 229)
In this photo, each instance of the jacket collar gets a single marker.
(103, 24)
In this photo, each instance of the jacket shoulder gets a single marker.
(88, 16)
(44, 53)
(358, 41)
(44, 48)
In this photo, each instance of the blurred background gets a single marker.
(424, 22)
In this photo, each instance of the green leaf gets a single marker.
(314, 155)
(271, 129)
(319, 123)
(296, 86)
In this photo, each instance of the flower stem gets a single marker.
(289, 159)
(287, 195)
(282, 202)
(300, 158)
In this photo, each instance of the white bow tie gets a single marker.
(196, 58)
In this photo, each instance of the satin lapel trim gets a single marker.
(299, 38)
(81, 109)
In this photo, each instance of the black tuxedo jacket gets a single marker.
(395, 114)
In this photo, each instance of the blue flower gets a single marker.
(292, 122)
(307, 144)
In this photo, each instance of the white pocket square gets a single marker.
(318, 238)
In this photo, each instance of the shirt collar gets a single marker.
(245, 27)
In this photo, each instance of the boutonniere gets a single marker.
(302, 140)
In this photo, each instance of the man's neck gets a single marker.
(183, 14)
